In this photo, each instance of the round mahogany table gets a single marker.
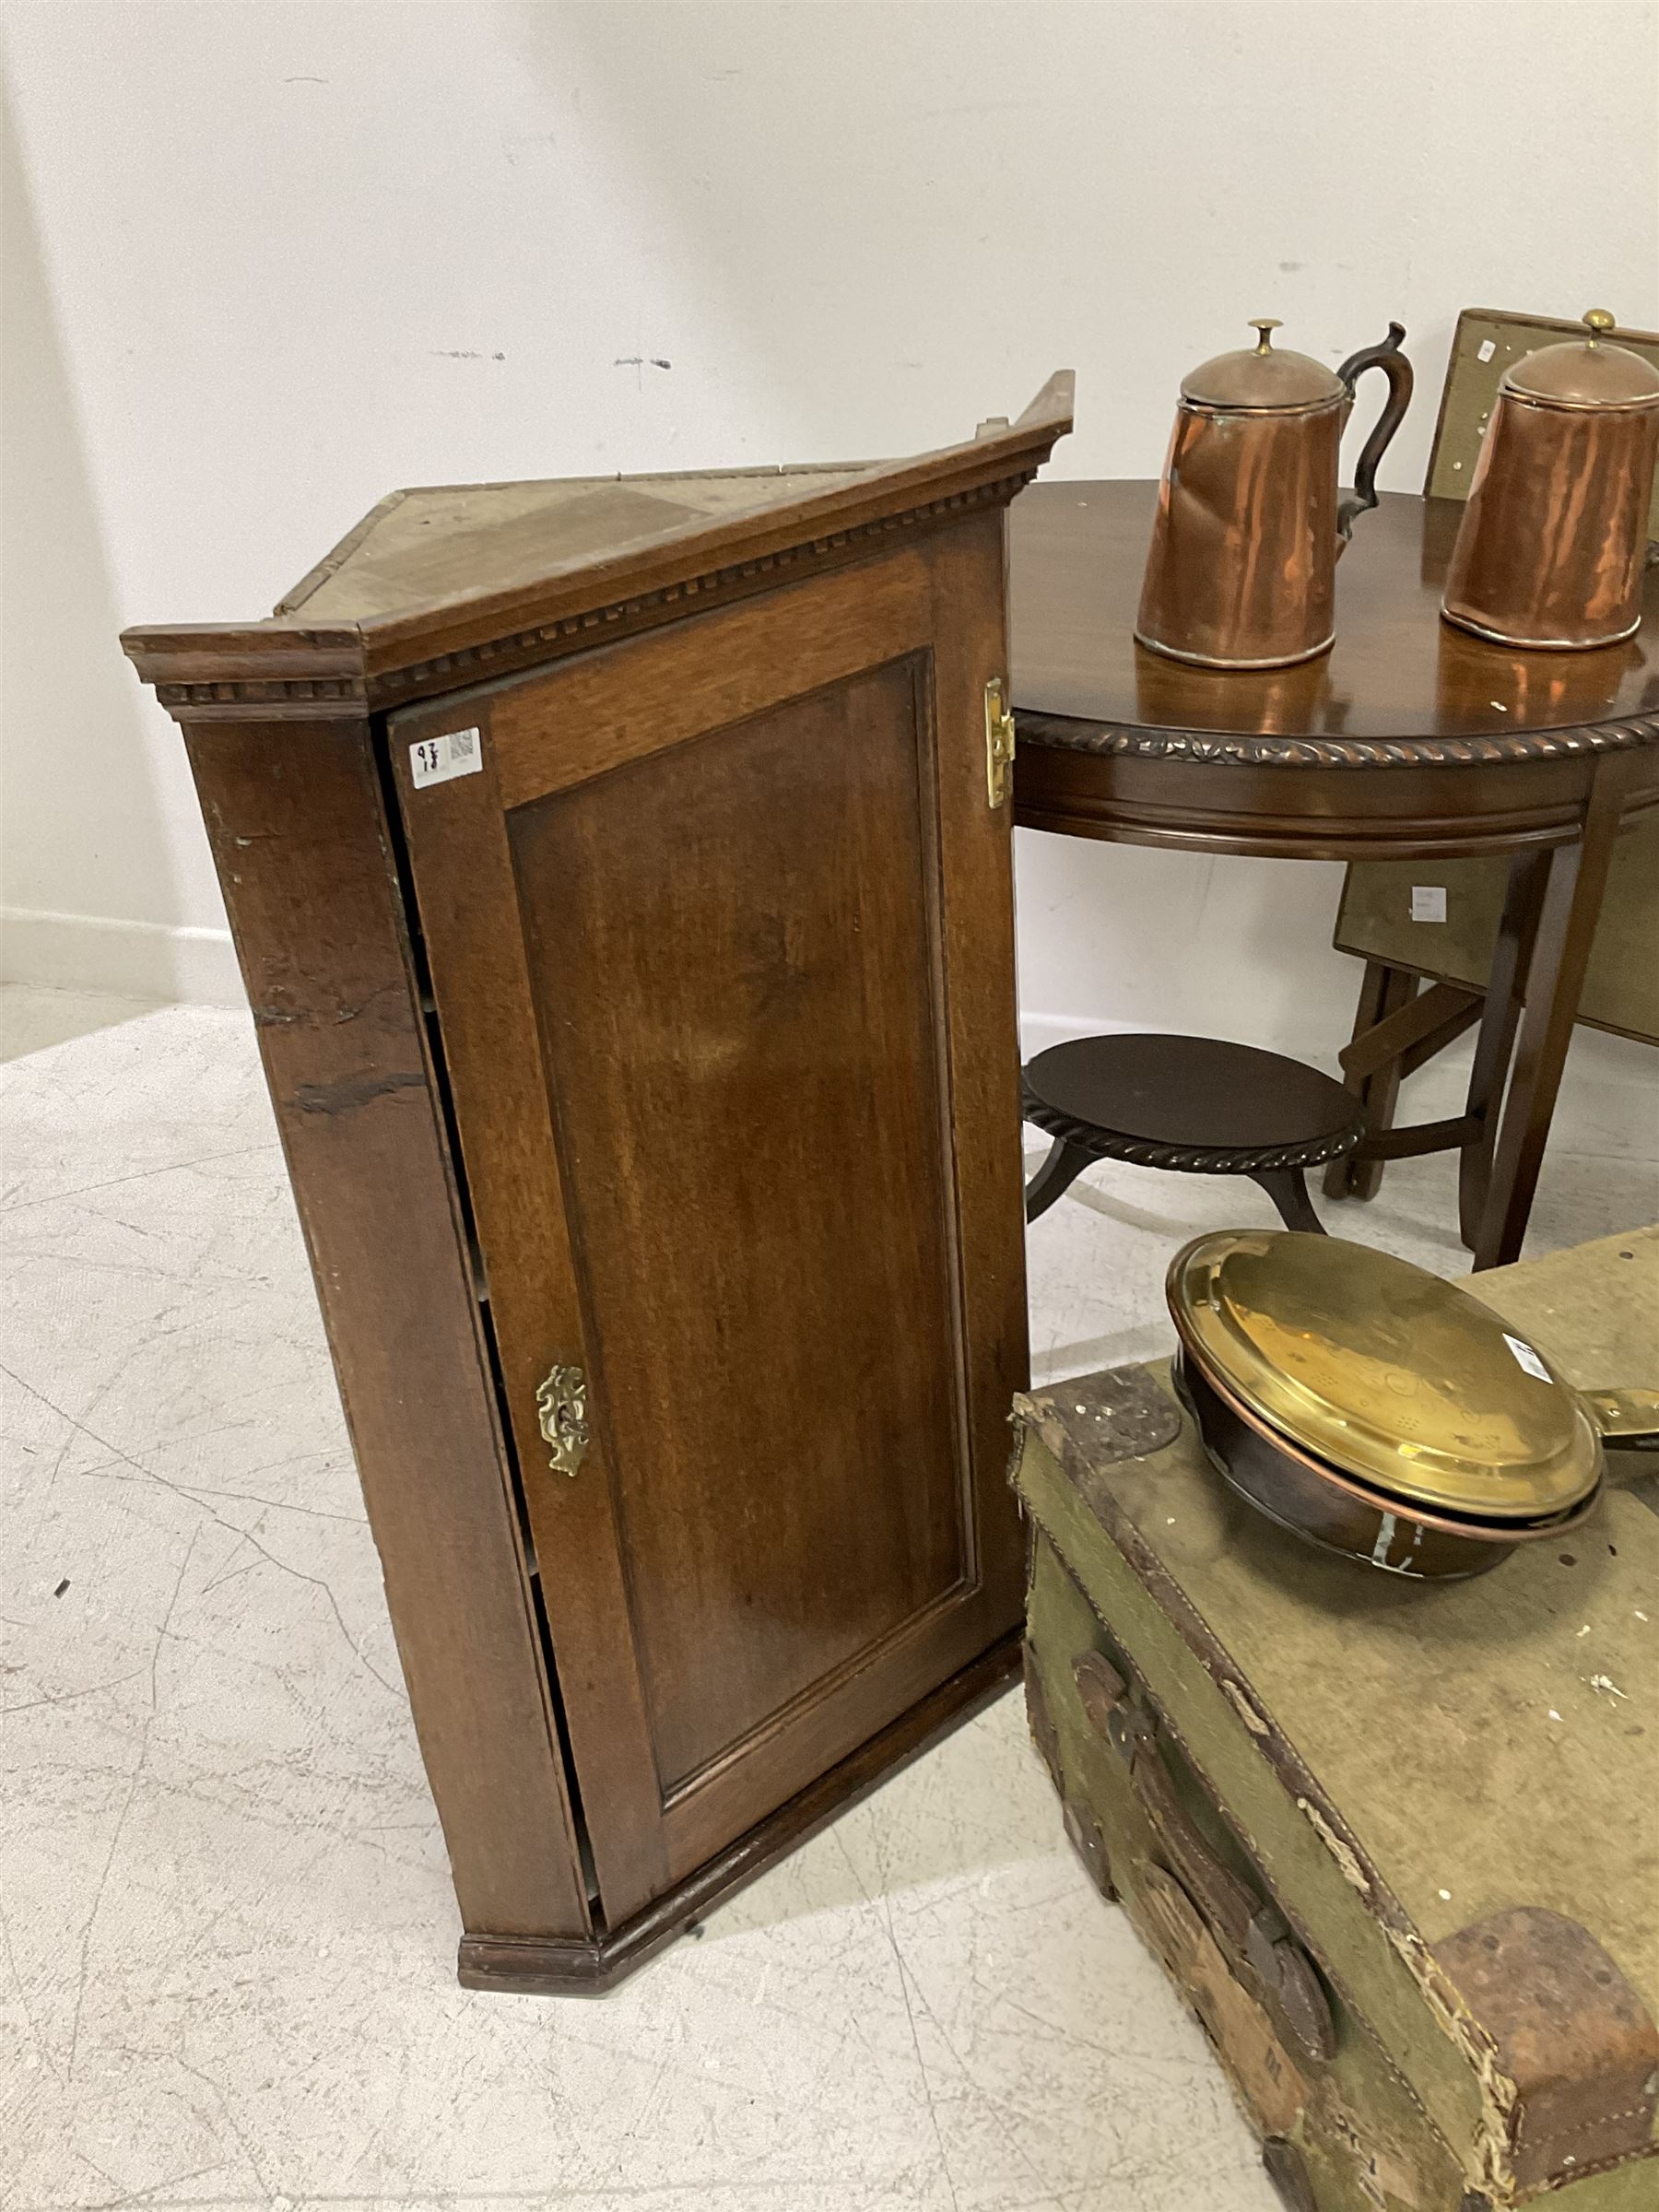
(1407, 739)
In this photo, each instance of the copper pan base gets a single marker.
(1315, 1502)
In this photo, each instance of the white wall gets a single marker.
(265, 262)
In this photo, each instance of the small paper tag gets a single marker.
(436, 760)
(1485, 349)
(1525, 1357)
(1427, 902)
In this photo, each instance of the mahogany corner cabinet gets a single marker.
(620, 874)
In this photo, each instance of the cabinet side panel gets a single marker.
(976, 950)
(299, 838)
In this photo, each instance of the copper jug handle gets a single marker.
(1397, 368)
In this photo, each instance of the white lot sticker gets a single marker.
(1526, 1357)
(1427, 902)
(1485, 350)
(436, 759)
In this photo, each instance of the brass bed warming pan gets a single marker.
(1376, 1411)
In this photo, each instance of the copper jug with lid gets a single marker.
(1242, 570)
(1553, 541)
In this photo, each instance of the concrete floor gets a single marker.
(229, 1937)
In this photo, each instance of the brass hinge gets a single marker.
(999, 744)
(561, 1403)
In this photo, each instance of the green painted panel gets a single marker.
(1621, 986)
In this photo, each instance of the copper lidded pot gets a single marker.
(1242, 570)
(1554, 537)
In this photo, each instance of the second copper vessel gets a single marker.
(1553, 541)
(1242, 570)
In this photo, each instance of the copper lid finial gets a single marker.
(1261, 381)
(1598, 322)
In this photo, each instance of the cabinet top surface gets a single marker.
(449, 584)
(1397, 670)
(420, 548)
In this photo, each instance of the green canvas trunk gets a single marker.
(1398, 1843)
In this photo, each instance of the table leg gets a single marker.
(1383, 991)
(1494, 1047)
(1064, 1163)
(1288, 1191)
(1554, 977)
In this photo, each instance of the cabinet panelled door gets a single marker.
(719, 926)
